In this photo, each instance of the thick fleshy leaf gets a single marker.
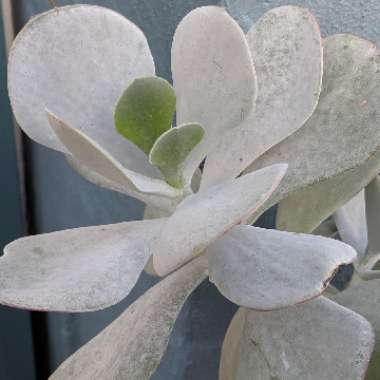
(372, 199)
(347, 116)
(316, 340)
(173, 150)
(364, 298)
(145, 111)
(286, 49)
(352, 225)
(76, 270)
(203, 217)
(88, 153)
(77, 62)
(213, 74)
(268, 269)
(131, 347)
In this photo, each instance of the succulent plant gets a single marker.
(273, 115)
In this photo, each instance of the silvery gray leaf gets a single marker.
(77, 62)
(81, 269)
(213, 74)
(347, 113)
(265, 269)
(286, 48)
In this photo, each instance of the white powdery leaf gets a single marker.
(267, 269)
(131, 347)
(77, 61)
(364, 299)
(89, 154)
(347, 116)
(352, 224)
(213, 74)
(82, 269)
(204, 216)
(286, 49)
(316, 340)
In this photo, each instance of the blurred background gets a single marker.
(41, 193)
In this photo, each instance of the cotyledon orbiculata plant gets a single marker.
(270, 111)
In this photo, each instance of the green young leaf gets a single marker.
(171, 150)
(145, 111)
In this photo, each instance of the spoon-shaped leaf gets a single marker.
(172, 149)
(145, 111)
(213, 74)
(77, 62)
(269, 269)
(82, 269)
(286, 48)
(347, 116)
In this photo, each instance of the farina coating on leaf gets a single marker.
(268, 269)
(286, 48)
(82, 269)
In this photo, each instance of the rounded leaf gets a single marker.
(213, 74)
(145, 111)
(171, 151)
(82, 269)
(286, 48)
(269, 269)
(77, 61)
(341, 140)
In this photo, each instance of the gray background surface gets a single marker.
(15, 325)
(61, 199)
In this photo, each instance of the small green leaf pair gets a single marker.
(144, 115)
